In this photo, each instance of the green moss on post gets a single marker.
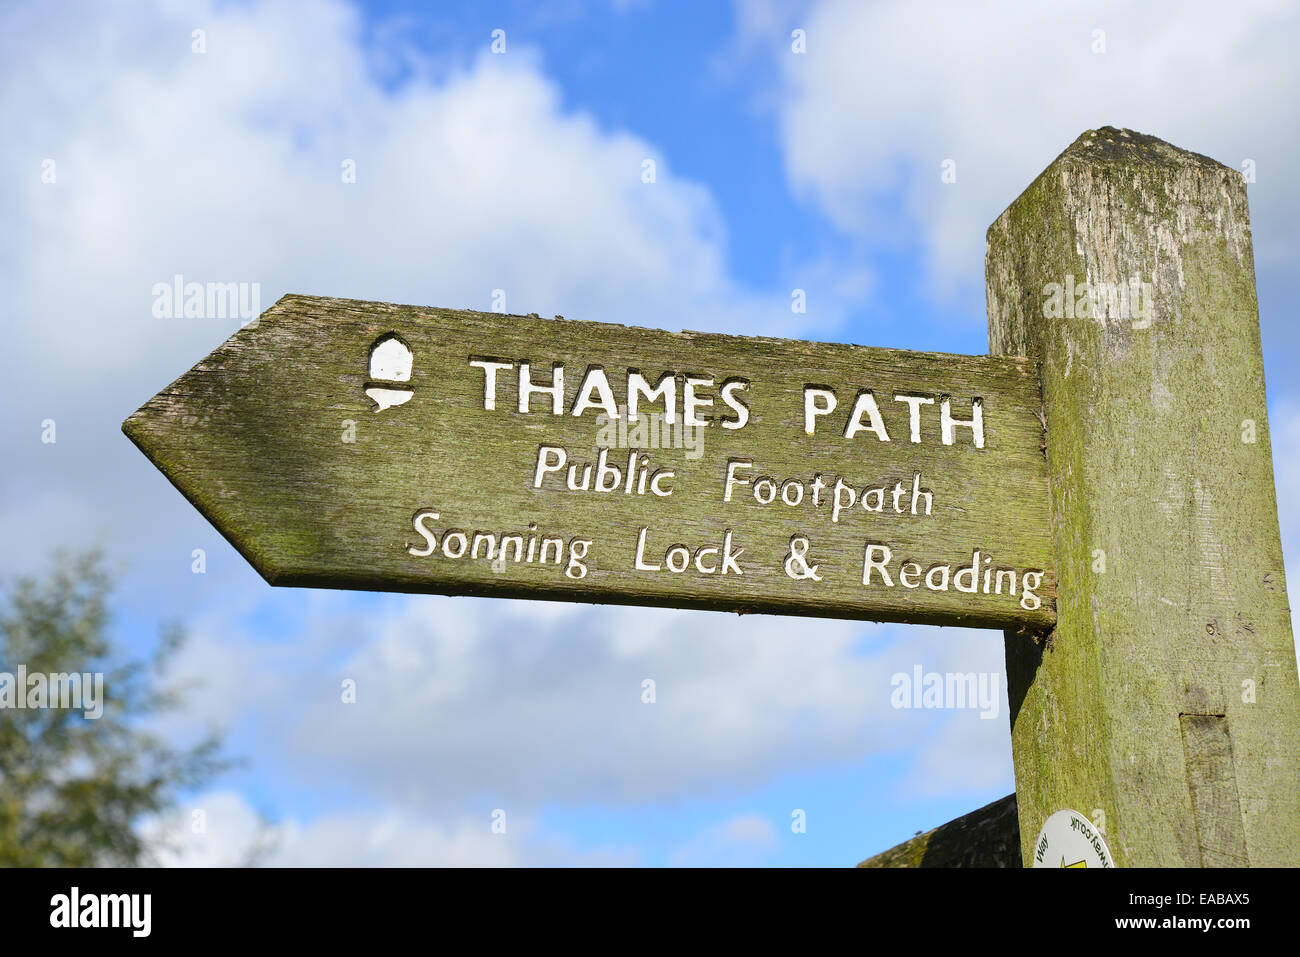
(1165, 705)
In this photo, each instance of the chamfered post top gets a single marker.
(1122, 147)
(1110, 151)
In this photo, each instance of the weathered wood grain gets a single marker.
(254, 437)
(986, 837)
(1166, 701)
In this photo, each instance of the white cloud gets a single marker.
(221, 829)
(884, 95)
(216, 829)
(526, 705)
(965, 754)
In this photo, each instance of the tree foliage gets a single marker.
(73, 789)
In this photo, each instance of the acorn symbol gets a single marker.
(390, 364)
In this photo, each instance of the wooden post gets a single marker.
(1165, 703)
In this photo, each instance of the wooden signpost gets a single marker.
(364, 445)
(1118, 434)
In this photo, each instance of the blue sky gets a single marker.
(522, 171)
